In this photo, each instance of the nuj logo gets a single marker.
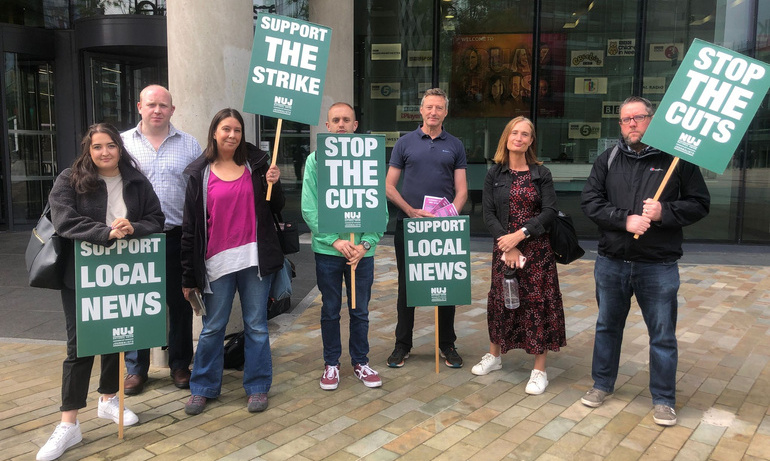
(280, 100)
(690, 140)
(352, 215)
(122, 331)
(438, 291)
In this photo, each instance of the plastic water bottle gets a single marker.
(511, 289)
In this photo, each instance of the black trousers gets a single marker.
(180, 350)
(76, 371)
(405, 325)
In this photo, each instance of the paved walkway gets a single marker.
(723, 391)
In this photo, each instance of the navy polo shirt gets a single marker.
(427, 166)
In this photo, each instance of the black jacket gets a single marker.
(82, 216)
(610, 195)
(496, 200)
(194, 232)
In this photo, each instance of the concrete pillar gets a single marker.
(339, 85)
(209, 49)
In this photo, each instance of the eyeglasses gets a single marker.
(636, 118)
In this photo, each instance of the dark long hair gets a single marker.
(212, 153)
(85, 176)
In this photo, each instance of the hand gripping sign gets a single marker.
(287, 72)
(351, 186)
(707, 108)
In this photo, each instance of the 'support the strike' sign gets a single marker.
(121, 295)
(438, 261)
(708, 106)
(351, 183)
(288, 68)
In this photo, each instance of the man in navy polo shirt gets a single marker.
(433, 163)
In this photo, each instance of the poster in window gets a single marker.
(492, 73)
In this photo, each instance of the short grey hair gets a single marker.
(645, 101)
(435, 92)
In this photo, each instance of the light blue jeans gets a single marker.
(655, 286)
(206, 379)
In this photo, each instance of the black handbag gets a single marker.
(564, 241)
(234, 351)
(44, 255)
(288, 235)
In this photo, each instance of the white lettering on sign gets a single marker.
(293, 54)
(120, 274)
(712, 95)
(120, 306)
(294, 28)
(121, 246)
(436, 247)
(351, 198)
(448, 270)
(287, 80)
(426, 225)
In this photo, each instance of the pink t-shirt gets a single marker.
(232, 221)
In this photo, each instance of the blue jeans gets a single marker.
(206, 379)
(655, 286)
(330, 271)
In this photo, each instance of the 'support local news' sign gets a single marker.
(708, 106)
(288, 68)
(351, 183)
(121, 295)
(438, 261)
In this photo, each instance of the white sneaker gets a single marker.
(108, 409)
(64, 436)
(538, 381)
(488, 363)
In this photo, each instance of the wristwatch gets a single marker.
(525, 232)
(367, 246)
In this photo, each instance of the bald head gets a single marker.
(341, 118)
(156, 110)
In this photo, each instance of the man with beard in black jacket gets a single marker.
(617, 198)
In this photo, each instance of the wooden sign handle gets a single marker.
(353, 277)
(435, 315)
(662, 186)
(121, 393)
(275, 156)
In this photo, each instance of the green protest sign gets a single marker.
(121, 295)
(351, 183)
(438, 261)
(708, 106)
(288, 69)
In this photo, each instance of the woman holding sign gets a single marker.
(101, 198)
(229, 242)
(519, 205)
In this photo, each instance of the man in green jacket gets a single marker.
(335, 255)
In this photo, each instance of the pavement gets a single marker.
(723, 392)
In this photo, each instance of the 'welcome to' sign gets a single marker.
(288, 68)
(438, 261)
(708, 106)
(121, 295)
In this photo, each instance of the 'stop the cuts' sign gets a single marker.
(288, 68)
(351, 183)
(708, 106)
(438, 261)
(120, 292)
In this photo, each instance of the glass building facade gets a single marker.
(565, 64)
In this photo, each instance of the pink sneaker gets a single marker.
(331, 378)
(369, 377)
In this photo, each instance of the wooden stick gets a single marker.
(353, 277)
(275, 156)
(121, 392)
(436, 320)
(671, 169)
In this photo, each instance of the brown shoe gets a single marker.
(181, 377)
(134, 384)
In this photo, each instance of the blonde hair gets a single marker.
(501, 154)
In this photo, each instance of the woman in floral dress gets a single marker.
(519, 205)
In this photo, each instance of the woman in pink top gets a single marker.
(229, 243)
